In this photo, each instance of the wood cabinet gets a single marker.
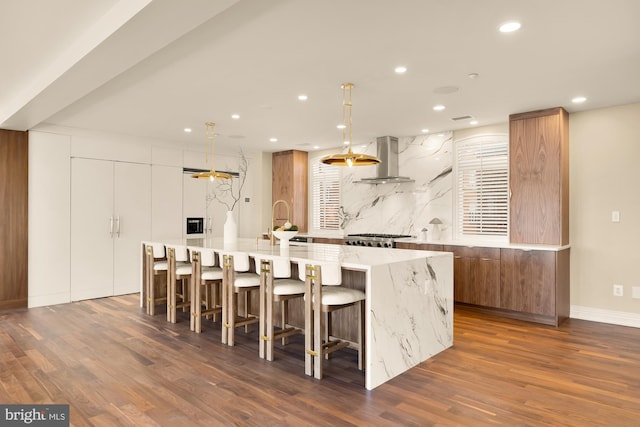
(111, 213)
(535, 283)
(539, 177)
(523, 284)
(14, 183)
(420, 246)
(476, 275)
(328, 240)
(289, 183)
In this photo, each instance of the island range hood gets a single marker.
(388, 167)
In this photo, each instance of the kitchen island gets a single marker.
(409, 298)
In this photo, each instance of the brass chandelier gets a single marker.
(349, 158)
(212, 174)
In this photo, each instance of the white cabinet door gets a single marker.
(132, 216)
(110, 216)
(194, 199)
(166, 203)
(91, 229)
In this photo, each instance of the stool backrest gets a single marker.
(181, 253)
(281, 266)
(241, 261)
(208, 257)
(330, 272)
(158, 250)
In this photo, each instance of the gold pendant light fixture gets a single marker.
(212, 174)
(349, 158)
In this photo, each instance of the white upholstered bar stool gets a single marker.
(237, 281)
(324, 295)
(208, 277)
(276, 286)
(155, 267)
(178, 279)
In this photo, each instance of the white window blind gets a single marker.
(325, 204)
(482, 186)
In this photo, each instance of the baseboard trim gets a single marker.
(621, 318)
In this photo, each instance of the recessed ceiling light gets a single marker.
(425, 130)
(439, 108)
(400, 69)
(341, 126)
(273, 139)
(235, 116)
(578, 99)
(187, 130)
(473, 122)
(315, 147)
(302, 97)
(509, 27)
(473, 76)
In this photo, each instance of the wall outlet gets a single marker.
(615, 216)
(635, 292)
(618, 290)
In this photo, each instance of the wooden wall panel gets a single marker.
(289, 183)
(14, 180)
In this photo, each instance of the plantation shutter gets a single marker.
(482, 184)
(326, 197)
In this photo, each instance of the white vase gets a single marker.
(230, 229)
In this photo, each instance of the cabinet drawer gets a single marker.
(473, 252)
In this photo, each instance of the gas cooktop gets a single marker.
(373, 239)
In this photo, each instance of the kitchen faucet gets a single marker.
(273, 218)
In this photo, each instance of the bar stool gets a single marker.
(205, 275)
(276, 286)
(155, 265)
(237, 280)
(179, 271)
(324, 295)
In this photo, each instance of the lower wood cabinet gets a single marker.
(476, 275)
(420, 246)
(535, 283)
(328, 240)
(523, 284)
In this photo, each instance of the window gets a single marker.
(325, 203)
(482, 186)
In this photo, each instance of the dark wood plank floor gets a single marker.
(117, 366)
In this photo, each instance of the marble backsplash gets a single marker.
(403, 208)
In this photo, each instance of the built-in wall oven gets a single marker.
(195, 225)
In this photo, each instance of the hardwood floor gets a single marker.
(117, 366)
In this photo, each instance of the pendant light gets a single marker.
(349, 158)
(212, 174)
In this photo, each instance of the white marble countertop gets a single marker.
(486, 244)
(478, 243)
(351, 257)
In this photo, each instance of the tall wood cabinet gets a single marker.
(539, 177)
(13, 219)
(289, 183)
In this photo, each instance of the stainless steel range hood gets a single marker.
(388, 167)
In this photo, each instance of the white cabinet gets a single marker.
(110, 215)
(166, 202)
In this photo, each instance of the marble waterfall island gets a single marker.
(409, 298)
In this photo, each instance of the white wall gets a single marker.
(604, 177)
(49, 219)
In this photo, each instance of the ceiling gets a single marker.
(151, 68)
